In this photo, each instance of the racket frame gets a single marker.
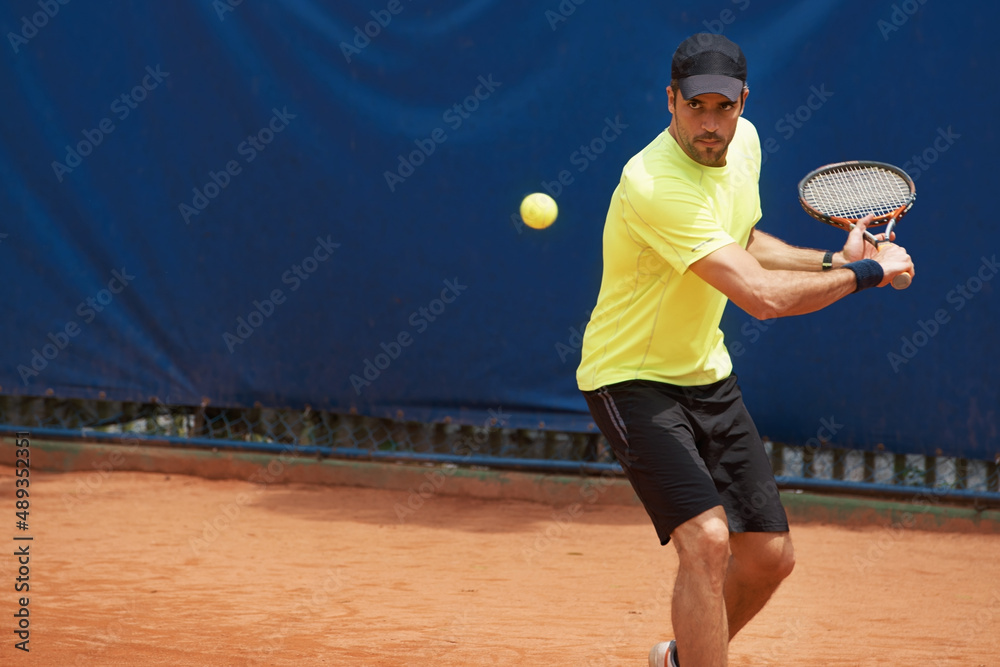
(848, 224)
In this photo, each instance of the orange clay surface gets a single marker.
(149, 569)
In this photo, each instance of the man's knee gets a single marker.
(703, 542)
(785, 561)
(780, 559)
(770, 558)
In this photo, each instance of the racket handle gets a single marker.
(902, 281)
(868, 236)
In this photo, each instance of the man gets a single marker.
(679, 241)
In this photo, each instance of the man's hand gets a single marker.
(857, 247)
(894, 260)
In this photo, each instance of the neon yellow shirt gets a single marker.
(654, 319)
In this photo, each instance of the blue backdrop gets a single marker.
(314, 202)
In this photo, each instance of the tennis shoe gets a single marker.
(658, 655)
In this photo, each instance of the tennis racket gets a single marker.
(841, 194)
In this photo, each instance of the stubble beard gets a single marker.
(709, 157)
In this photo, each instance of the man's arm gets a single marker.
(766, 292)
(773, 253)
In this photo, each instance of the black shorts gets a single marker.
(688, 449)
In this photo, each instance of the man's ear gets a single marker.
(670, 99)
(743, 99)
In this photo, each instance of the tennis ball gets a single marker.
(538, 210)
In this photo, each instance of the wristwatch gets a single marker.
(828, 261)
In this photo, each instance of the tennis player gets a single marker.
(679, 242)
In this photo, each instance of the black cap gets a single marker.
(709, 63)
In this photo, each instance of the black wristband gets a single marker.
(867, 273)
(828, 261)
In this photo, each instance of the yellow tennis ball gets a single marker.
(538, 210)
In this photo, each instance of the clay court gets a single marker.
(150, 568)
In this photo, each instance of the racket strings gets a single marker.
(855, 191)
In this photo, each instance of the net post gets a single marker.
(993, 476)
(930, 471)
(869, 472)
(839, 463)
(808, 455)
(961, 473)
(778, 458)
(899, 469)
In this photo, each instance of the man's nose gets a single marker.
(710, 123)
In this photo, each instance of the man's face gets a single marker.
(704, 125)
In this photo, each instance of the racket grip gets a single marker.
(902, 281)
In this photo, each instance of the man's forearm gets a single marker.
(773, 253)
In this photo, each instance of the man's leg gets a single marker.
(761, 550)
(723, 580)
(653, 437)
(758, 564)
(698, 609)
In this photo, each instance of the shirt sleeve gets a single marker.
(675, 221)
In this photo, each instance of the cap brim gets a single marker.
(699, 84)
